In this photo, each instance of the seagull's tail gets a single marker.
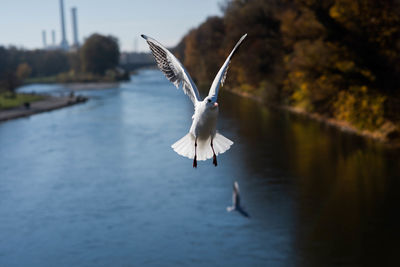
(185, 146)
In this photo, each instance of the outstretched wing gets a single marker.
(243, 212)
(221, 75)
(235, 195)
(173, 69)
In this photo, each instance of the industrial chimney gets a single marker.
(44, 39)
(64, 43)
(75, 26)
(53, 37)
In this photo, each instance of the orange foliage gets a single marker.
(308, 53)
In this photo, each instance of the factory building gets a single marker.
(63, 45)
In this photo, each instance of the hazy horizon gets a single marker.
(166, 21)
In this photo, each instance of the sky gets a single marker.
(22, 21)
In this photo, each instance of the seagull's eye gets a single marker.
(209, 100)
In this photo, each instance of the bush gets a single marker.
(365, 111)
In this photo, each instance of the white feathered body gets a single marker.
(204, 129)
(204, 122)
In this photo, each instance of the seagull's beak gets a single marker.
(215, 104)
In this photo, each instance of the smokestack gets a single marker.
(64, 43)
(44, 39)
(53, 37)
(75, 26)
(136, 45)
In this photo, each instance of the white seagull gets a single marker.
(236, 201)
(202, 142)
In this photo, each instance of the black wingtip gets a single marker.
(143, 36)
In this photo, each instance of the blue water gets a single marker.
(97, 184)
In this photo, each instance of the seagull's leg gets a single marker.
(195, 154)
(214, 156)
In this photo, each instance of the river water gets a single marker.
(97, 184)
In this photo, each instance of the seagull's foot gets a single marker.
(215, 160)
(195, 162)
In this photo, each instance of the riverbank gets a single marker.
(10, 100)
(72, 78)
(47, 104)
(388, 134)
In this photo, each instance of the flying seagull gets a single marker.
(236, 201)
(202, 142)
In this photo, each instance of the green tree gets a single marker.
(99, 53)
(14, 79)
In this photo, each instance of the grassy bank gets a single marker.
(48, 103)
(9, 100)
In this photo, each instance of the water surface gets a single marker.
(97, 184)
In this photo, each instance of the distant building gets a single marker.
(75, 27)
(53, 45)
(44, 39)
(63, 45)
(133, 60)
(53, 37)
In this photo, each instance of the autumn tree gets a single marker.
(203, 56)
(259, 64)
(99, 53)
(23, 71)
(339, 58)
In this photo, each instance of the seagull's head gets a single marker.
(211, 103)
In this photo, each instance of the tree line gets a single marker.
(96, 60)
(339, 58)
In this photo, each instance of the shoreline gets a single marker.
(338, 124)
(91, 86)
(48, 104)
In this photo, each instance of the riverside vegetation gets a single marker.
(96, 61)
(9, 100)
(338, 59)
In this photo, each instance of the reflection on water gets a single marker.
(98, 185)
(346, 188)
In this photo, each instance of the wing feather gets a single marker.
(173, 69)
(235, 195)
(220, 78)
